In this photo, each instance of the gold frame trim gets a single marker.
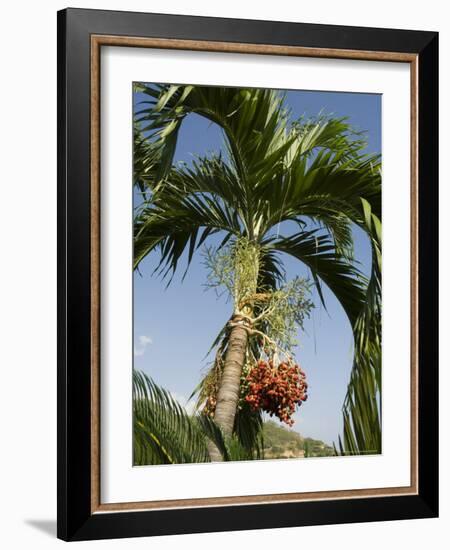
(174, 44)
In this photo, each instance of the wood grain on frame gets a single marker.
(175, 44)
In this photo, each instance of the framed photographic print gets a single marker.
(247, 274)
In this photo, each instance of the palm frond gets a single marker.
(326, 132)
(248, 429)
(163, 432)
(318, 252)
(323, 188)
(251, 118)
(362, 405)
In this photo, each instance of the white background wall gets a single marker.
(28, 271)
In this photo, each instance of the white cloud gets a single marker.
(142, 343)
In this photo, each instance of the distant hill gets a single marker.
(281, 442)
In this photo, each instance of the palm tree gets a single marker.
(274, 170)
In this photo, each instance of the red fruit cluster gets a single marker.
(277, 390)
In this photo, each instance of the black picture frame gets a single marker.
(75, 518)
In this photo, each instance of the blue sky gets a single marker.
(174, 327)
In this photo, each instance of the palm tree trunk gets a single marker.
(247, 258)
(228, 395)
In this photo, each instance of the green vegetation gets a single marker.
(164, 433)
(280, 442)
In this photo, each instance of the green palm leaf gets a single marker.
(319, 253)
(164, 433)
